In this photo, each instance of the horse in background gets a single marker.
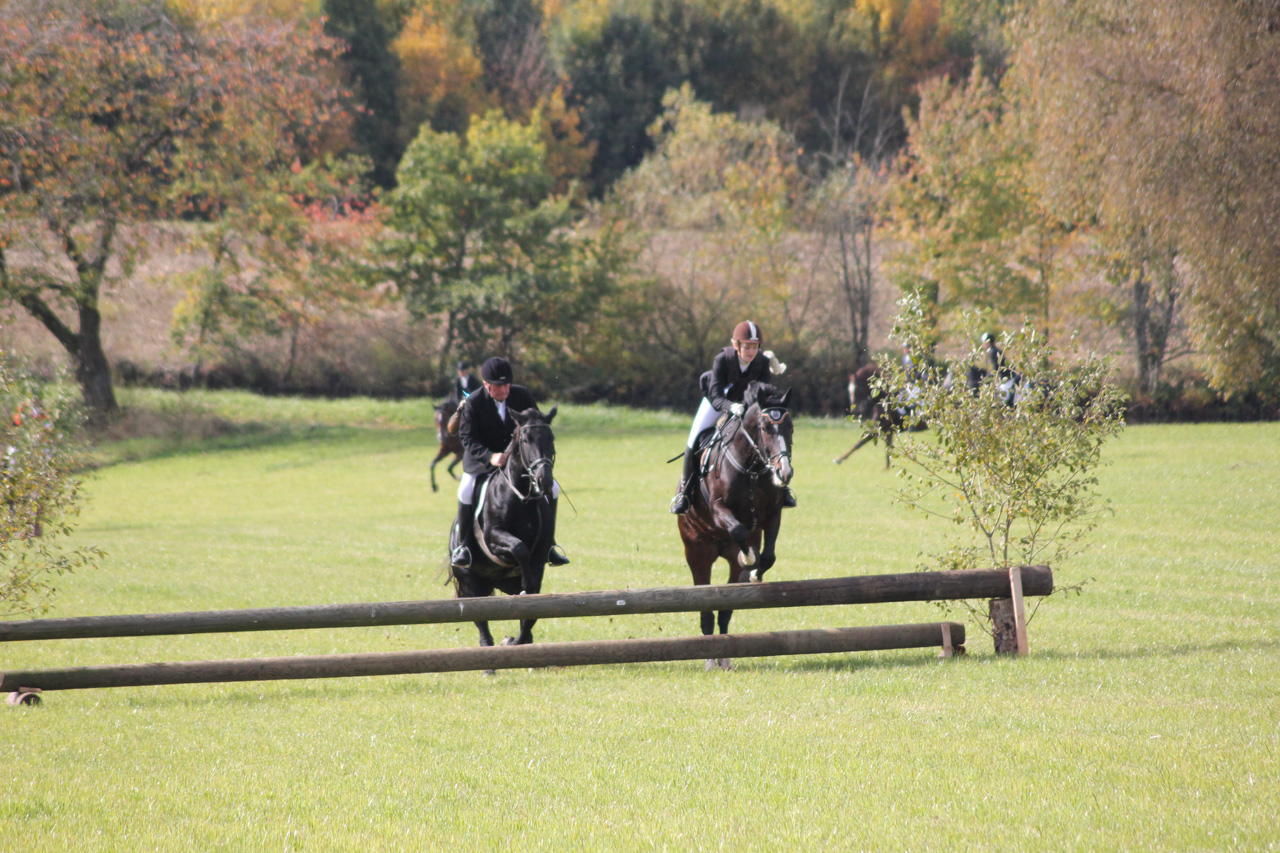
(515, 522)
(449, 442)
(881, 417)
(735, 510)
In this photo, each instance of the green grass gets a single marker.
(1146, 716)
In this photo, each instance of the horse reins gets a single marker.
(530, 471)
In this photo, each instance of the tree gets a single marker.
(479, 238)
(974, 230)
(617, 78)
(114, 113)
(283, 257)
(849, 210)
(1018, 482)
(39, 495)
(713, 210)
(1169, 112)
(373, 69)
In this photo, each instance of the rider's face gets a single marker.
(747, 349)
(498, 392)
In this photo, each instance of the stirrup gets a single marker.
(557, 557)
(680, 504)
(461, 557)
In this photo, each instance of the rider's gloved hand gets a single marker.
(736, 409)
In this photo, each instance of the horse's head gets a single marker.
(532, 451)
(768, 423)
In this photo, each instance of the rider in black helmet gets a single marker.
(485, 431)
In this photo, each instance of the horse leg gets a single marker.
(871, 436)
(470, 585)
(440, 455)
(728, 522)
(532, 582)
(700, 554)
(888, 448)
(768, 554)
(454, 464)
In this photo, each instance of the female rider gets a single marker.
(723, 387)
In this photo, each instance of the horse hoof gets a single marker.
(837, 461)
(725, 664)
(711, 664)
(509, 641)
(748, 558)
(489, 673)
(753, 577)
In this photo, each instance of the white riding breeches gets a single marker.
(467, 489)
(706, 417)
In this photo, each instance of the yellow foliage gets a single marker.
(434, 63)
(569, 154)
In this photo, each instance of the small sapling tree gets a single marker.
(39, 494)
(1018, 481)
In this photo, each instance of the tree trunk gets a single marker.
(92, 368)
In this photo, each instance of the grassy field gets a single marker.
(1147, 716)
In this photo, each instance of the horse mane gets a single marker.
(764, 395)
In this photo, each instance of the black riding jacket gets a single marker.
(482, 432)
(726, 382)
(462, 389)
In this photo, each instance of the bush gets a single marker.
(1016, 480)
(39, 496)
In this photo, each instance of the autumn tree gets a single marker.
(115, 113)
(849, 210)
(284, 256)
(974, 230)
(713, 207)
(478, 238)
(1169, 113)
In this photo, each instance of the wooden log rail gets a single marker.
(580, 653)
(869, 589)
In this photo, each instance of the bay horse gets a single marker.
(515, 522)
(737, 501)
(449, 443)
(882, 419)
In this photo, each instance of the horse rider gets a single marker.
(464, 385)
(1006, 376)
(485, 431)
(723, 388)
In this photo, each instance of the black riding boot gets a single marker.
(556, 556)
(461, 556)
(680, 503)
(788, 497)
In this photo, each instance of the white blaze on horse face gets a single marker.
(782, 474)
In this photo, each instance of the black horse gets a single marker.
(449, 442)
(882, 418)
(516, 523)
(738, 499)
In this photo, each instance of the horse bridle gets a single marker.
(530, 470)
(766, 462)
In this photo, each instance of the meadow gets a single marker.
(1147, 715)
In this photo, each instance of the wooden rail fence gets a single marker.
(919, 586)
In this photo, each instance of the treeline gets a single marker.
(601, 190)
